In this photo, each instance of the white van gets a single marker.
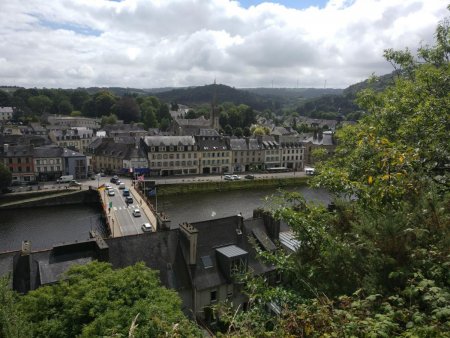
(122, 185)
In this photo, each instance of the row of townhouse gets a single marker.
(29, 164)
(184, 155)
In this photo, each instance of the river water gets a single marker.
(49, 226)
(210, 205)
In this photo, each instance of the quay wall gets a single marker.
(187, 188)
(46, 199)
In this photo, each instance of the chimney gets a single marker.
(240, 224)
(272, 225)
(189, 238)
(26, 248)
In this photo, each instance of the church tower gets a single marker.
(214, 117)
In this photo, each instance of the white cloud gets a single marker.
(150, 43)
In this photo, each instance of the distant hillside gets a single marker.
(331, 106)
(296, 93)
(205, 94)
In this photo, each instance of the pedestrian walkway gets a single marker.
(145, 208)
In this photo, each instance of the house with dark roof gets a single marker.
(202, 261)
(48, 163)
(189, 127)
(247, 154)
(319, 140)
(171, 155)
(214, 155)
(110, 156)
(19, 160)
(272, 156)
(74, 163)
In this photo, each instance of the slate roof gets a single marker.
(6, 110)
(211, 144)
(198, 122)
(238, 144)
(72, 153)
(49, 151)
(156, 141)
(158, 250)
(207, 132)
(220, 233)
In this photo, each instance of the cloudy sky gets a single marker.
(247, 43)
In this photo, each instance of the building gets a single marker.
(292, 153)
(202, 261)
(272, 156)
(19, 160)
(48, 163)
(76, 138)
(73, 121)
(189, 127)
(109, 156)
(75, 164)
(172, 155)
(6, 113)
(247, 154)
(320, 140)
(214, 155)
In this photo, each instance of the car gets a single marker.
(74, 183)
(236, 177)
(146, 227)
(118, 182)
(102, 174)
(113, 180)
(250, 177)
(128, 200)
(228, 178)
(107, 187)
(122, 185)
(136, 213)
(111, 192)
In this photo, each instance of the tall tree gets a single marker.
(5, 177)
(95, 300)
(39, 104)
(127, 109)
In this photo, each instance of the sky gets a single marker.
(173, 43)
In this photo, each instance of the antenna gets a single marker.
(325, 84)
(272, 84)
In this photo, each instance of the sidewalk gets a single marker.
(110, 217)
(144, 207)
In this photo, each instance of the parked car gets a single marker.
(107, 187)
(236, 177)
(228, 178)
(74, 183)
(136, 213)
(111, 192)
(128, 200)
(118, 182)
(113, 180)
(146, 227)
(250, 177)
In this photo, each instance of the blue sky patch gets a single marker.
(79, 29)
(298, 4)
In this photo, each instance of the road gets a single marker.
(123, 213)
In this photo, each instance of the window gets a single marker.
(213, 296)
(19, 160)
(152, 149)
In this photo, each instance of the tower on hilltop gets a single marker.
(214, 117)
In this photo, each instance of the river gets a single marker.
(209, 205)
(49, 226)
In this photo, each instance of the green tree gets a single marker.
(95, 300)
(65, 107)
(5, 177)
(247, 132)
(39, 104)
(149, 116)
(238, 132)
(12, 322)
(127, 109)
(228, 130)
(110, 119)
(104, 102)
(5, 99)
(78, 98)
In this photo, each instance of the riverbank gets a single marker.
(195, 187)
